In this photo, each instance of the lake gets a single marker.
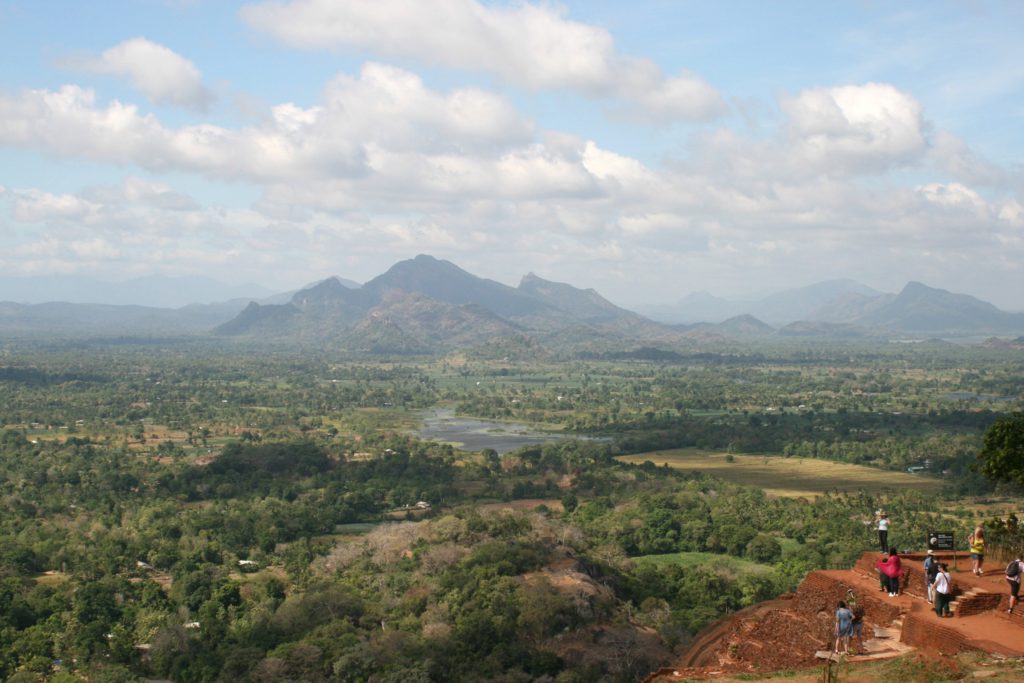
(473, 434)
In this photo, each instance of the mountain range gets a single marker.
(842, 307)
(778, 309)
(427, 305)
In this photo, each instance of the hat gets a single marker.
(931, 552)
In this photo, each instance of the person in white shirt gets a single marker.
(943, 591)
(883, 531)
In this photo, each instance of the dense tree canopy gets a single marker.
(1002, 457)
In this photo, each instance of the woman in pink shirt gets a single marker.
(892, 568)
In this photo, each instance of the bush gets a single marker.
(764, 548)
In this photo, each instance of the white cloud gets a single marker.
(525, 44)
(855, 128)
(955, 196)
(954, 156)
(385, 110)
(159, 73)
(384, 167)
(135, 190)
(35, 205)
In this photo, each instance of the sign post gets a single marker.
(942, 540)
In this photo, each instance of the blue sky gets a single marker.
(647, 149)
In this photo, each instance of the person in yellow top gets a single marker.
(976, 541)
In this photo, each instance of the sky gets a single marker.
(646, 149)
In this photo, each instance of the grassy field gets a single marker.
(788, 477)
(687, 560)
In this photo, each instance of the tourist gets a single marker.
(883, 531)
(1013, 571)
(931, 568)
(976, 541)
(844, 627)
(857, 626)
(943, 591)
(891, 570)
(883, 578)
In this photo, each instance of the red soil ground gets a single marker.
(788, 632)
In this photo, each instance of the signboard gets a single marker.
(940, 540)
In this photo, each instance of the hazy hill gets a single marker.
(850, 306)
(430, 304)
(846, 308)
(802, 302)
(919, 308)
(285, 297)
(156, 291)
(695, 307)
(744, 326)
(70, 320)
(434, 304)
(445, 281)
(584, 304)
(428, 323)
(780, 308)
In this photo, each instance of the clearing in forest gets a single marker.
(788, 477)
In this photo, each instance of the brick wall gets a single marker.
(921, 631)
(982, 602)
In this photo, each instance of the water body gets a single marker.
(971, 396)
(472, 434)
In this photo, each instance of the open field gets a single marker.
(552, 504)
(788, 477)
(694, 559)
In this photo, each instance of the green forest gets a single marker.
(199, 512)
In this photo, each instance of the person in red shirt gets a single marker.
(892, 569)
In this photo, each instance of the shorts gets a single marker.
(856, 629)
(978, 556)
(1014, 587)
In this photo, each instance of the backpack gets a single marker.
(1013, 569)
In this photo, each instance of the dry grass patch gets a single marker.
(552, 504)
(788, 477)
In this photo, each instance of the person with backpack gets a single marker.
(857, 626)
(1013, 571)
(943, 591)
(844, 628)
(931, 568)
